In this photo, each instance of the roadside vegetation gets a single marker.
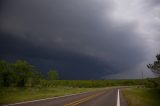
(15, 94)
(142, 96)
(148, 95)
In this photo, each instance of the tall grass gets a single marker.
(12, 95)
(142, 96)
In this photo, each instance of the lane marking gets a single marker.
(83, 100)
(118, 98)
(45, 99)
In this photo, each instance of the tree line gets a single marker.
(22, 74)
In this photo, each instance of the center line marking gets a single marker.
(83, 99)
(118, 99)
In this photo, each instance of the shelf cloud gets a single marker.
(85, 39)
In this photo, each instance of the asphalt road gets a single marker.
(96, 98)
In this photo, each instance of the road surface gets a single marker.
(96, 98)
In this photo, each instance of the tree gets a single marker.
(155, 67)
(53, 75)
(7, 75)
(19, 74)
(26, 73)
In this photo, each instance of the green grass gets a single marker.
(12, 95)
(142, 96)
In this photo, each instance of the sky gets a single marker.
(82, 39)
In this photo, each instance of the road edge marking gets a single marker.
(118, 98)
(12, 104)
(45, 99)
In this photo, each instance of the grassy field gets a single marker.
(142, 96)
(12, 95)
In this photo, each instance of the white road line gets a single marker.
(118, 99)
(44, 99)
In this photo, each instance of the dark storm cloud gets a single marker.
(77, 37)
(70, 65)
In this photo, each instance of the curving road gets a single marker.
(96, 98)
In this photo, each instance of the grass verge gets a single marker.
(13, 95)
(142, 96)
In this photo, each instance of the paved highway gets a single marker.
(110, 97)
